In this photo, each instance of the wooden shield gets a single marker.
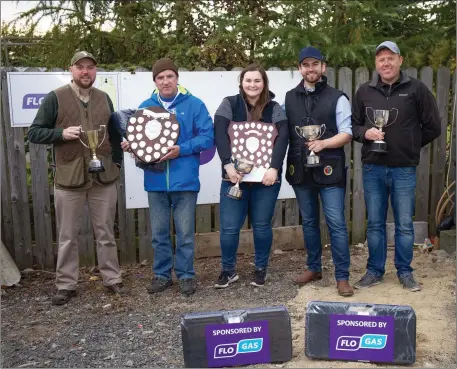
(253, 141)
(150, 131)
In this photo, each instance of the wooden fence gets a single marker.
(27, 217)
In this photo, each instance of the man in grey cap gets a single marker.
(413, 122)
(63, 115)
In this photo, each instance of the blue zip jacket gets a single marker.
(196, 135)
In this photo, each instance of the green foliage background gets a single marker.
(229, 33)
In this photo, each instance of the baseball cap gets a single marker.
(81, 55)
(392, 46)
(309, 52)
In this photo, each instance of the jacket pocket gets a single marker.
(111, 172)
(331, 173)
(72, 174)
(295, 170)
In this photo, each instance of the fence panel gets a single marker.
(443, 82)
(423, 169)
(42, 219)
(345, 85)
(358, 202)
(20, 208)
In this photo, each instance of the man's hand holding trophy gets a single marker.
(310, 134)
(380, 119)
(93, 142)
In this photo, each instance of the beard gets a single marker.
(86, 84)
(313, 77)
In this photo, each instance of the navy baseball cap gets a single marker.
(392, 46)
(310, 52)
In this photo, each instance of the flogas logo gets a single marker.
(245, 346)
(32, 101)
(367, 341)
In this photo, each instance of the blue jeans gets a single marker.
(260, 201)
(183, 204)
(400, 183)
(333, 204)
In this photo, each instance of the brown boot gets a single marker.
(344, 288)
(306, 277)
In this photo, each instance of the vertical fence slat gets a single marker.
(6, 205)
(358, 202)
(203, 219)
(439, 145)
(86, 242)
(20, 208)
(452, 158)
(126, 224)
(345, 85)
(292, 212)
(43, 249)
(423, 169)
(277, 215)
(330, 74)
(144, 236)
(217, 219)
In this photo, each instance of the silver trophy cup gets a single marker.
(95, 165)
(242, 166)
(380, 119)
(311, 133)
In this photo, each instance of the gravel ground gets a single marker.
(97, 329)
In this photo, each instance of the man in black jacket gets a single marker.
(314, 102)
(413, 123)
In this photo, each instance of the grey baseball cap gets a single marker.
(81, 55)
(392, 46)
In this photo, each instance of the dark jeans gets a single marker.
(400, 183)
(333, 204)
(184, 204)
(260, 201)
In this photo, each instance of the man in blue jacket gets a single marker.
(174, 181)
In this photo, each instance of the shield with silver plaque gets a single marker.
(150, 131)
(253, 142)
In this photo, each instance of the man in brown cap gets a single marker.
(174, 182)
(63, 115)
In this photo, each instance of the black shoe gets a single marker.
(159, 285)
(63, 296)
(368, 280)
(226, 278)
(187, 286)
(117, 289)
(408, 282)
(259, 277)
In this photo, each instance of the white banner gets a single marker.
(128, 91)
(27, 90)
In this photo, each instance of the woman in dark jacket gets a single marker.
(249, 127)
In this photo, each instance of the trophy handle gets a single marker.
(322, 131)
(368, 116)
(81, 131)
(298, 132)
(104, 136)
(396, 115)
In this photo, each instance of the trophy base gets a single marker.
(313, 161)
(96, 166)
(379, 147)
(234, 193)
